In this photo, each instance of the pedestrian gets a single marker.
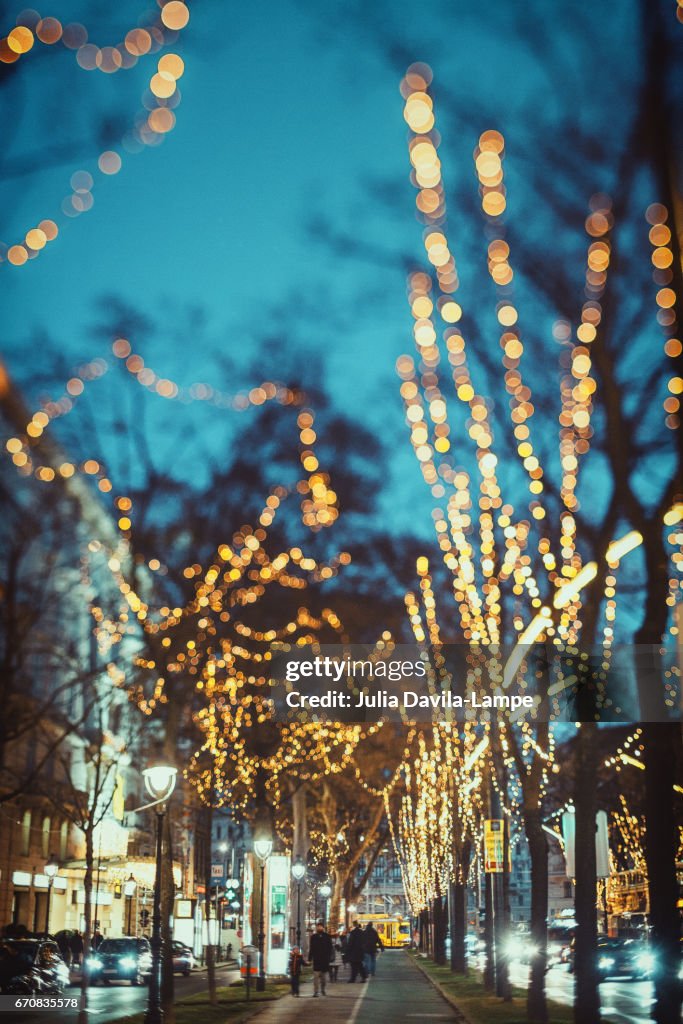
(76, 946)
(62, 940)
(355, 951)
(334, 966)
(296, 963)
(97, 939)
(371, 943)
(320, 956)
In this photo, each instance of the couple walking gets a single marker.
(361, 950)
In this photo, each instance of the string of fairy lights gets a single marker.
(435, 800)
(155, 119)
(420, 832)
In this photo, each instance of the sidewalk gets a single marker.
(398, 993)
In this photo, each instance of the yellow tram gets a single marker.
(393, 931)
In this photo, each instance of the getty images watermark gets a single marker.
(423, 682)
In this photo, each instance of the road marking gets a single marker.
(354, 1013)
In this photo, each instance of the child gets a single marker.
(296, 962)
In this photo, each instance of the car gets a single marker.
(520, 948)
(124, 959)
(183, 958)
(624, 958)
(32, 967)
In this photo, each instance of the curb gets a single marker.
(461, 1018)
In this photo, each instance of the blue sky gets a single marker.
(290, 113)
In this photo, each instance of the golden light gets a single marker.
(175, 15)
(618, 548)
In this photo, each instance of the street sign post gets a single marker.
(494, 846)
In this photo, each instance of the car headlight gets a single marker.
(645, 961)
(93, 963)
(128, 962)
(606, 961)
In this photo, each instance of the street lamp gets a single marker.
(263, 848)
(160, 781)
(325, 892)
(129, 888)
(298, 872)
(51, 869)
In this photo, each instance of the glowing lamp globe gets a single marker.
(160, 781)
(298, 869)
(263, 849)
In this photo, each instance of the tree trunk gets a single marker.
(440, 920)
(537, 1009)
(660, 852)
(334, 913)
(587, 998)
(458, 911)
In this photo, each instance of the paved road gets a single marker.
(110, 1002)
(398, 993)
(623, 1002)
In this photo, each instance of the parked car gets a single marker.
(32, 967)
(183, 958)
(125, 959)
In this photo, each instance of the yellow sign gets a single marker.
(494, 845)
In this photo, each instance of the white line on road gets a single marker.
(354, 1013)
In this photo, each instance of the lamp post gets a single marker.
(160, 782)
(298, 872)
(262, 848)
(51, 869)
(325, 892)
(129, 891)
(350, 911)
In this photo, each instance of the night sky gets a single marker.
(280, 204)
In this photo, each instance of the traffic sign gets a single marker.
(494, 846)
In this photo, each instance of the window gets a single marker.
(45, 838)
(26, 834)
(63, 840)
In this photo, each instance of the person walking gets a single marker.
(371, 944)
(76, 944)
(320, 956)
(355, 951)
(296, 963)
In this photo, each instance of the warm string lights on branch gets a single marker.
(318, 499)
(554, 589)
(159, 101)
(657, 216)
(488, 162)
